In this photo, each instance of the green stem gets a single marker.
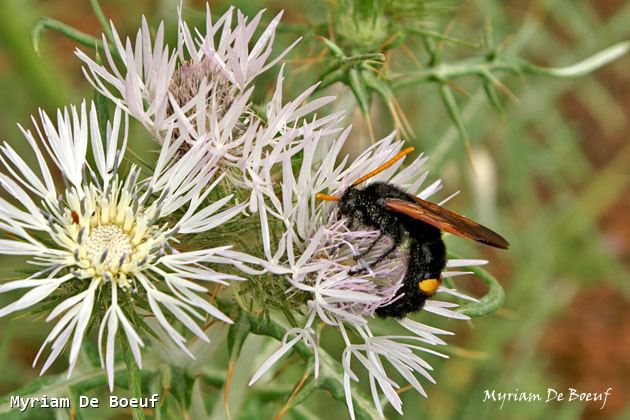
(135, 380)
(586, 66)
(481, 67)
(103, 20)
(82, 38)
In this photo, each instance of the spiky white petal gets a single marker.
(109, 235)
(317, 253)
(201, 92)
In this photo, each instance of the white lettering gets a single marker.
(87, 402)
(488, 395)
(552, 394)
(143, 402)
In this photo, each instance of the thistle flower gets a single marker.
(157, 85)
(318, 255)
(110, 245)
(202, 90)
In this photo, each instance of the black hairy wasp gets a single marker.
(405, 217)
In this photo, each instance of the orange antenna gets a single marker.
(384, 166)
(327, 197)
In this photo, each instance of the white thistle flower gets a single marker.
(108, 239)
(201, 91)
(317, 254)
(157, 85)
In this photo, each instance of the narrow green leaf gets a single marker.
(493, 97)
(181, 385)
(456, 116)
(437, 35)
(102, 110)
(135, 380)
(357, 85)
(332, 78)
(583, 67)
(237, 335)
(335, 50)
(197, 409)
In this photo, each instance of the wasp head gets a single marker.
(350, 202)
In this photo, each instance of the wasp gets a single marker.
(410, 220)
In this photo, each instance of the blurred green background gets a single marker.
(552, 174)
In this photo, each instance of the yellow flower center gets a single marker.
(109, 235)
(108, 245)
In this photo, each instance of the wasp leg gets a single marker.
(350, 222)
(369, 248)
(386, 253)
(360, 257)
(397, 238)
(364, 267)
(378, 260)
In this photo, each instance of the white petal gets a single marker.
(273, 359)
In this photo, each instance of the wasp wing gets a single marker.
(446, 220)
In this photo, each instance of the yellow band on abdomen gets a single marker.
(429, 286)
